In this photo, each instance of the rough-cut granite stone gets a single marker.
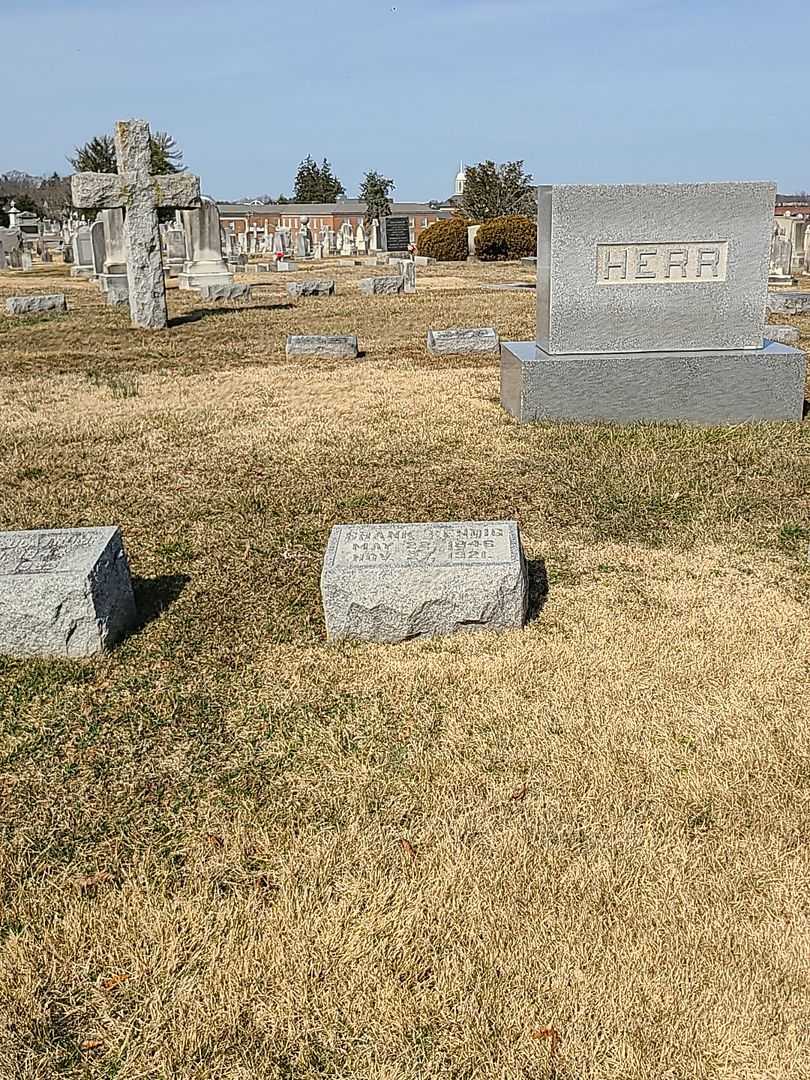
(382, 286)
(483, 339)
(394, 582)
(141, 194)
(788, 303)
(297, 289)
(63, 592)
(117, 295)
(330, 347)
(785, 335)
(32, 305)
(227, 291)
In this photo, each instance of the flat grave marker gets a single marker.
(63, 592)
(394, 582)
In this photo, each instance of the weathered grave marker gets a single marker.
(297, 289)
(33, 305)
(381, 286)
(63, 592)
(394, 582)
(141, 195)
(662, 320)
(788, 303)
(482, 339)
(327, 346)
(204, 264)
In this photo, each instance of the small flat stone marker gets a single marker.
(63, 592)
(382, 286)
(33, 305)
(297, 289)
(390, 583)
(329, 347)
(284, 266)
(788, 303)
(225, 291)
(785, 335)
(483, 339)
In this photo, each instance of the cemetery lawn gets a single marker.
(232, 850)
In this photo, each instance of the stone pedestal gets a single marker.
(204, 263)
(715, 387)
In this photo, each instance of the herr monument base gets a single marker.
(709, 387)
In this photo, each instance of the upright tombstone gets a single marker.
(360, 242)
(82, 242)
(175, 243)
(374, 245)
(204, 263)
(781, 260)
(651, 306)
(2, 256)
(395, 582)
(99, 250)
(140, 194)
(115, 282)
(304, 247)
(63, 592)
(395, 233)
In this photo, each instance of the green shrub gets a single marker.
(444, 240)
(513, 237)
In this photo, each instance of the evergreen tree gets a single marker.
(98, 155)
(316, 183)
(494, 191)
(375, 192)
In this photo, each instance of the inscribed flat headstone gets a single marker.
(394, 582)
(482, 339)
(325, 346)
(63, 592)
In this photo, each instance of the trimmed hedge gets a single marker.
(444, 240)
(512, 237)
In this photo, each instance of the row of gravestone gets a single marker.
(192, 254)
(68, 592)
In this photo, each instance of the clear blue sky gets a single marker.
(583, 90)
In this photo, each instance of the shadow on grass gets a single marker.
(204, 313)
(538, 588)
(153, 596)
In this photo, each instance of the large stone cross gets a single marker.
(140, 194)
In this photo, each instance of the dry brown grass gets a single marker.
(229, 850)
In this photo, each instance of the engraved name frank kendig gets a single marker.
(662, 264)
(432, 545)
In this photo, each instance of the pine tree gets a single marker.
(375, 193)
(494, 191)
(316, 183)
(98, 155)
